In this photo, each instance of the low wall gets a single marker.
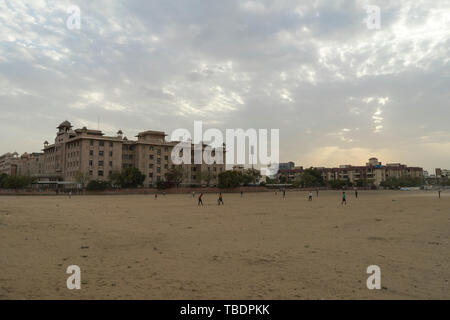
(16, 192)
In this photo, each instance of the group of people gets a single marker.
(219, 199)
(310, 195)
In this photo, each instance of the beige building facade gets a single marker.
(95, 156)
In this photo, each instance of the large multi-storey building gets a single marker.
(96, 156)
(9, 163)
(374, 172)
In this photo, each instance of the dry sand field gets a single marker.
(260, 246)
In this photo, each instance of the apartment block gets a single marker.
(96, 156)
(373, 172)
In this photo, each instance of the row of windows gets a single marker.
(100, 173)
(100, 163)
(73, 154)
(100, 143)
(151, 157)
(72, 164)
(73, 144)
(100, 153)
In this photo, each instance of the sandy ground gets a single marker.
(256, 247)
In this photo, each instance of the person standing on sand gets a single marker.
(193, 194)
(356, 193)
(200, 202)
(310, 196)
(439, 193)
(70, 195)
(317, 193)
(284, 193)
(242, 193)
(156, 195)
(220, 200)
(344, 200)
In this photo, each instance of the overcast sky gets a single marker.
(339, 92)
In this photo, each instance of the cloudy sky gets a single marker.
(338, 90)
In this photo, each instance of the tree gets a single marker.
(254, 175)
(229, 179)
(81, 178)
(406, 181)
(207, 176)
(3, 178)
(98, 185)
(129, 177)
(175, 176)
(15, 182)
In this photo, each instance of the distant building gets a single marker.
(442, 173)
(9, 163)
(286, 165)
(96, 156)
(374, 172)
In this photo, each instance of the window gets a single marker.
(100, 153)
(166, 166)
(90, 172)
(158, 161)
(110, 153)
(166, 149)
(102, 143)
(151, 166)
(130, 156)
(100, 173)
(158, 178)
(150, 175)
(91, 152)
(92, 142)
(151, 148)
(151, 157)
(110, 163)
(100, 163)
(215, 169)
(110, 144)
(90, 163)
(166, 157)
(158, 151)
(158, 169)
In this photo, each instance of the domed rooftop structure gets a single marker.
(65, 124)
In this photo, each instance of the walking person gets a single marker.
(439, 193)
(220, 200)
(284, 193)
(200, 202)
(310, 196)
(356, 193)
(344, 200)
